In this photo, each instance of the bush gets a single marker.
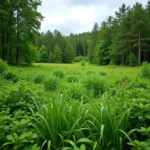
(72, 78)
(9, 75)
(80, 58)
(83, 63)
(145, 71)
(3, 66)
(51, 83)
(59, 73)
(16, 100)
(96, 84)
(39, 78)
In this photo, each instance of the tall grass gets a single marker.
(105, 124)
(95, 83)
(58, 121)
(51, 83)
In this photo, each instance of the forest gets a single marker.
(123, 39)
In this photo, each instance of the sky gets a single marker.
(77, 16)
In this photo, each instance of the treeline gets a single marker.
(19, 25)
(56, 48)
(123, 39)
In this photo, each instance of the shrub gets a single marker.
(59, 73)
(83, 63)
(80, 58)
(51, 83)
(39, 78)
(72, 78)
(19, 96)
(96, 84)
(3, 66)
(16, 100)
(145, 70)
(9, 75)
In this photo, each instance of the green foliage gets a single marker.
(69, 54)
(57, 54)
(24, 29)
(59, 73)
(16, 100)
(51, 83)
(83, 63)
(3, 66)
(79, 58)
(97, 84)
(72, 78)
(66, 119)
(38, 78)
(11, 75)
(74, 91)
(132, 60)
(31, 54)
(95, 112)
(145, 71)
(102, 53)
(43, 54)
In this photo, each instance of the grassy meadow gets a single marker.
(76, 67)
(74, 107)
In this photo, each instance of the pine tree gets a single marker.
(57, 56)
(92, 45)
(69, 54)
(43, 54)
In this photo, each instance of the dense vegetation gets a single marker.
(78, 106)
(66, 109)
(122, 39)
(19, 25)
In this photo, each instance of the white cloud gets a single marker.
(78, 15)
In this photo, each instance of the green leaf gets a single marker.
(70, 142)
(76, 148)
(84, 140)
(10, 137)
(82, 147)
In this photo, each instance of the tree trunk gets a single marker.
(139, 50)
